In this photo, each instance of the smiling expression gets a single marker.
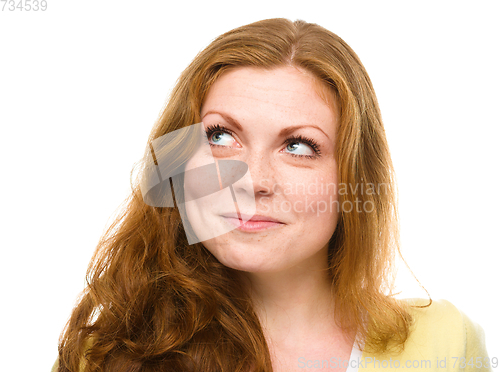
(282, 124)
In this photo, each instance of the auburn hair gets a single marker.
(155, 303)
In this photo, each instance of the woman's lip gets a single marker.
(246, 217)
(252, 225)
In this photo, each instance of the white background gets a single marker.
(82, 83)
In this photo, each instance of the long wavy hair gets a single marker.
(155, 303)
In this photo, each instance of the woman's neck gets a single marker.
(297, 302)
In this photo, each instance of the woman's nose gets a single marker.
(263, 174)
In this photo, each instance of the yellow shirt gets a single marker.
(443, 339)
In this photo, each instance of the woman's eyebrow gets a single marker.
(284, 132)
(227, 118)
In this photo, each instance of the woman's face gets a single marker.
(279, 123)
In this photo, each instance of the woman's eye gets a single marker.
(220, 138)
(302, 148)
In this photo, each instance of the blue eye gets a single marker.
(312, 152)
(217, 137)
(215, 133)
(304, 150)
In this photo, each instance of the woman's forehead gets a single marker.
(287, 91)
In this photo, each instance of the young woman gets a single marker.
(283, 265)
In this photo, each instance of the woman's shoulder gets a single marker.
(87, 344)
(441, 337)
(443, 321)
(55, 366)
(440, 318)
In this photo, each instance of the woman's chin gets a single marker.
(245, 263)
(244, 260)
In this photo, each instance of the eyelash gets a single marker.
(211, 129)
